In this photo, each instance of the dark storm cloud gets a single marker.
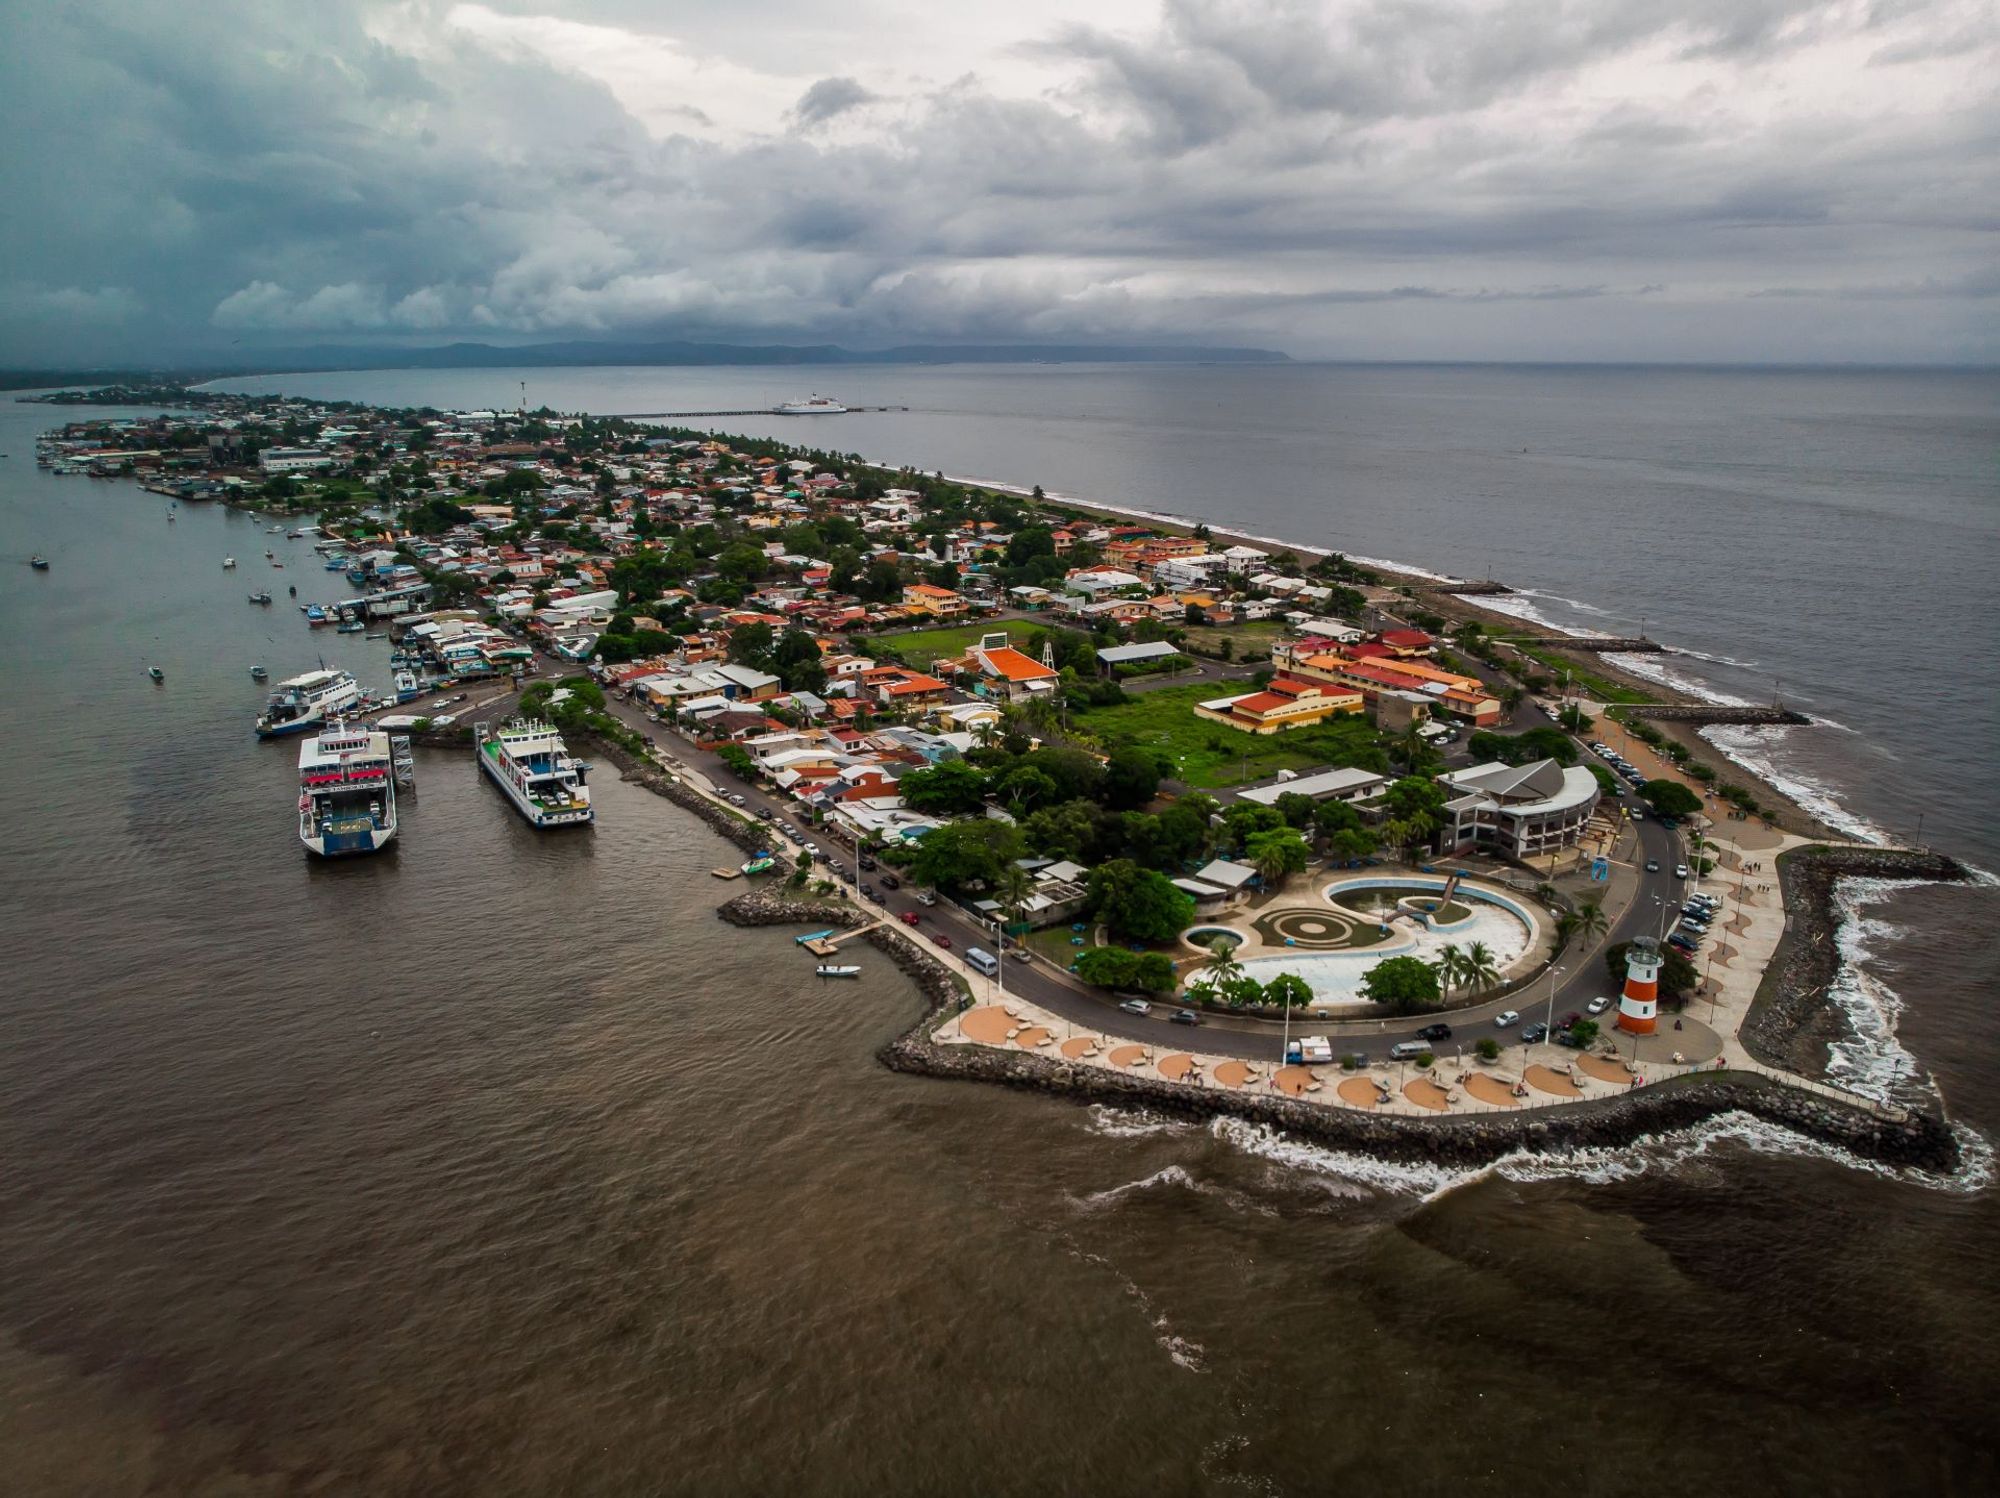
(827, 98)
(1384, 176)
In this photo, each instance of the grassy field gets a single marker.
(1251, 640)
(1207, 754)
(922, 646)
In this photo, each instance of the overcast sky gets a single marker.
(1404, 179)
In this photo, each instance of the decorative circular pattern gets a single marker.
(1296, 927)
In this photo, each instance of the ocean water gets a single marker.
(497, 1165)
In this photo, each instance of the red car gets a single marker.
(910, 918)
(942, 940)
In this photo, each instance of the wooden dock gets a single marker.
(829, 946)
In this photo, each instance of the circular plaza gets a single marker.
(1331, 938)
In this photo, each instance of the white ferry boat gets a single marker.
(347, 791)
(529, 761)
(817, 405)
(305, 702)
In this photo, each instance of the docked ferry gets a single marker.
(347, 791)
(529, 762)
(305, 702)
(817, 405)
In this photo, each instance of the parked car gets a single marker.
(1597, 1005)
(1568, 1038)
(926, 897)
(1136, 1006)
(1680, 871)
(1572, 1018)
(1505, 1018)
(813, 848)
(890, 881)
(1435, 1032)
(766, 813)
(1183, 1016)
(1535, 1034)
(910, 918)
(867, 862)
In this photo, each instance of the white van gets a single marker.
(982, 960)
(1407, 1050)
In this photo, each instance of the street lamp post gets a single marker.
(1549, 1020)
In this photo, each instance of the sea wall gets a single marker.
(1916, 1141)
(1791, 1023)
(1704, 714)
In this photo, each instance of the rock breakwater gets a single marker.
(1792, 1023)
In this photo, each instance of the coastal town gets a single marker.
(1227, 816)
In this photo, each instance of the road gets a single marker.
(1222, 1035)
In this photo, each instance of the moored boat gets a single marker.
(347, 793)
(262, 597)
(530, 763)
(305, 702)
(39, 563)
(228, 563)
(831, 970)
(817, 405)
(156, 673)
(258, 673)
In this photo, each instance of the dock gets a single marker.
(826, 944)
(727, 873)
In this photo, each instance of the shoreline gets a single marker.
(1900, 1138)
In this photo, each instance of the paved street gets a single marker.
(1584, 977)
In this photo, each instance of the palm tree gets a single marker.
(1270, 865)
(1480, 970)
(1591, 920)
(1013, 893)
(1221, 964)
(1450, 966)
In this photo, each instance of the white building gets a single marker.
(1519, 811)
(292, 459)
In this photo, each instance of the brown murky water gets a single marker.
(497, 1165)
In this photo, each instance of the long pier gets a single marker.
(746, 411)
(1600, 644)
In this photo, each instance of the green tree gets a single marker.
(964, 853)
(1064, 831)
(1132, 778)
(1277, 854)
(750, 644)
(1288, 991)
(1107, 967)
(1670, 798)
(1450, 965)
(951, 789)
(1406, 985)
(1480, 971)
(1139, 903)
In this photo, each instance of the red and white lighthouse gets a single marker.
(1639, 1002)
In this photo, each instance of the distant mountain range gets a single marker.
(553, 355)
(544, 355)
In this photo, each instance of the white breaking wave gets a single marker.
(1753, 747)
(1124, 1123)
(1656, 668)
(1599, 1166)
(1871, 1059)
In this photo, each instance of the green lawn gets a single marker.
(922, 646)
(1250, 640)
(1207, 754)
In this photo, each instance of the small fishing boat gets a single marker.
(170, 517)
(315, 615)
(260, 597)
(276, 563)
(763, 863)
(349, 627)
(229, 564)
(156, 673)
(39, 563)
(813, 936)
(258, 673)
(830, 970)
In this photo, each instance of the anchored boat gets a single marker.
(347, 795)
(829, 970)
(530, 763)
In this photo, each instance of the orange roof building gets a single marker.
(1288, 702)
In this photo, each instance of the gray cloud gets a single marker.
(1382, 177)
(827, 98)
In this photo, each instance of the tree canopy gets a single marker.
(1139, 903)
(1670, 798)
(1407, 985)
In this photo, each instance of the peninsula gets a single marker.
(1154, 813)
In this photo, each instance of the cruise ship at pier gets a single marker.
(347, 791)
(305, 702)
(529, 761)
(818, 405)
